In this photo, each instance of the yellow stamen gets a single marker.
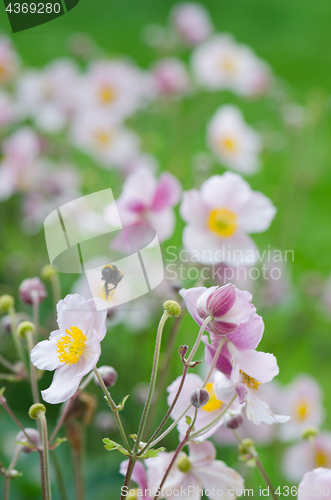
(71, 346)
(222, 221)
(302, 410)
(103, 138)
(321, 458)
(250, 382)
(228, 64)
(213, 403)
(227, 143)
(107, 94)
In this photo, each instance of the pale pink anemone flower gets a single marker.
(18, 165)
(109, 143)
(191, 22)
(205, 415)
(315, 484)
(302, 399)
(197, 471)
(240, 374)
(222, 64)
(115, 87)
(148, 201)
(8, 109)
(74, 349)
(170, 77)
(302, 457)
(139, 477)
(234, 315)
(9, 61)
(234, 143)
(47, 95)
(219, 218)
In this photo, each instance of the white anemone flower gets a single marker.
(74, 349)
(234, 143)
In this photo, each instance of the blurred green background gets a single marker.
(294, 38)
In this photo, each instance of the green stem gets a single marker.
(59, 477)
(217, 353)
(7, 364)
(35, 305)
(33, 372)
(16, 337)
(197, 342)
(3, 402)
(47, 494)
(56, 288)
(11, 466)
(114, 408)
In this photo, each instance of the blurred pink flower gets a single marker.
(234, 315)
(32, 289)
(73, 350)
(302, 399)
(47, 95)
(219, 218)
(170, 77)
(191, 22)
(9, 61)
(301, 458)
(8, 109)
(193, 473)
(315, 484)
(220, 63)
(236, 145)
(149, 202)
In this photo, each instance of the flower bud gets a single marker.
(183, 463)
(199, 398)
(33, 435)
(25, 327)
(35, 410)
(233, 420)
(13, 473)
(172, 307)
(108, 375)
(6, 303)
(32, 289)
(47, 272)
(310, 432)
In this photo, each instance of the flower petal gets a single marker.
(64, 385)
(248, 335)
(167, 192)
(44, 355)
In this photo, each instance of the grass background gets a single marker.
(294, 38)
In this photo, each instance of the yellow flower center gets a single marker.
(321, 459)
(71, 346)
(228, 64)
(132, 494)
(222, 221)
(107, 94)
(250, 382)
(227, 143)
(103, 138)
(302, 410)
(213, 403)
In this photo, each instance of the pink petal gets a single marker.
(221, 300)
(248, 335)
(167, 192)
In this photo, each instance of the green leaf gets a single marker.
(121, 406)
(112, 445)
(188, 420)
(58, 442)
(152, 453)
(133, 436)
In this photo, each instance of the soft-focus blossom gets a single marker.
(205, 415)
(191, 22)
(138, 476)
(302, 399)
(31, 290)
(170, 77)
(149, 202)
(234, 315)
(219, 218)
(117, 88)
(18, 165)
(315, 484)
(301, 458)
(8, 109)
(236, 145)
(9, 61)
(73, 350)
(249, 370)
(220, 63)
(199, 470)
(47, 95)
(109, 143)
(33, 435)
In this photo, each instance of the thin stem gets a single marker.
(216, 419)
(128, 475)
(114, 408)
(197, 342)
(59, 477)
(16, 337)
(217, 353)
(35, 305)
(78, 476)
(45, 456)
(56, 288)
(7, 364)
(3, 402)
(11, 466)
(33, 372)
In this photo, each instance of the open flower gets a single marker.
(236, 145)
(205, 415)
(191, 22)
(74, 349)
(193, 473)
(170, 77)
(250, 369)
(234, 315)
(149, 202)
(219, 218)
(221, 63)
(316, 483)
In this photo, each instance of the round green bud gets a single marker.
(183, 464)
(35, 410)
(6, 303)
(25, 327)
(247, 446)
(310, 432)
(47, 272)
(172, 307)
